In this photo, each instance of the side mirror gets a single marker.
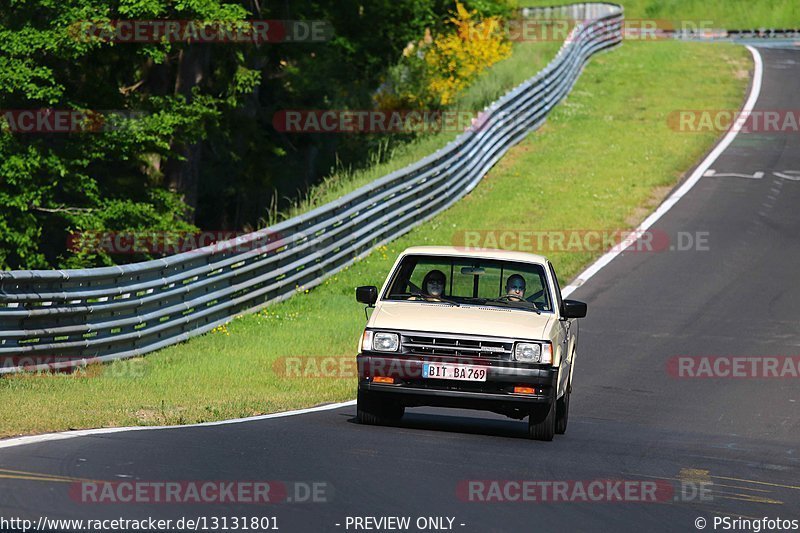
(367, 294)
(573, 309)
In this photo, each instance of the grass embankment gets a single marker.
(728, 14)
(604, 158)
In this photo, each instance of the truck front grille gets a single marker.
(456, 345)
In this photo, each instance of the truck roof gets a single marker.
(486, 253)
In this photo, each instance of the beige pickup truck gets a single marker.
(474, 329)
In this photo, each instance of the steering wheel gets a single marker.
(510, 298)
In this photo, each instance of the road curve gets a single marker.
(736, 439)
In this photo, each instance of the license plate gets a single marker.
(454, 371)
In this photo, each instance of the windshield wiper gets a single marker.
(523, 304)
(435, 298)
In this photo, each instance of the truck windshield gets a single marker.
(471, 281)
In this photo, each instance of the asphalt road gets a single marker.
(737, 440)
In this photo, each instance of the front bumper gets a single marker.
(495, 394)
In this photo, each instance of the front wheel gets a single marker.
(562, 413)
(542, 422)
(374, 411)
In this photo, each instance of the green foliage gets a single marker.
(434, 70)
(111, 178)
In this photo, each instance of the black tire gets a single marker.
(393, 412)
(374, 412)
(542, 423)
(367, 410)
(562, 413)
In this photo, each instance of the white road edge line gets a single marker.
(580, 280)
(31, 439)
(755, 90)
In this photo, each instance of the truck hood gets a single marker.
(467, 320)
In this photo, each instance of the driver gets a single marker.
(515, 286)
(433, 283)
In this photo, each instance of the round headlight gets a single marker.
(385, 342)
(528, 352)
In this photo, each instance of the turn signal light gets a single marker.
(524, 390)
(382, 379)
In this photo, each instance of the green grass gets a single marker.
(728, 14)
(604, 158)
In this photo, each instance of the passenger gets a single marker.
(515, 287)
(433, 283)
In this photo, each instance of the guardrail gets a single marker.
(63, 318)
(758, 35)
